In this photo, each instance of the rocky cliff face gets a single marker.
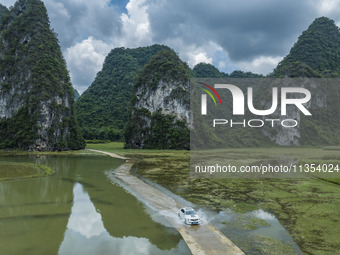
(318, 129)
(167, 98)
(160, 105)
(36, 96)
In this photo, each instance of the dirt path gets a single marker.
(204, 239)
(114, 155)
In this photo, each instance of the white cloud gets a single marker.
(195, 55)
(222, 65)
(78, 19)
(135, 25)
(201, 57)
(85, 59)
(8, 3)
(219, 32)
(328, 6)
(191, 53)
(260, 65)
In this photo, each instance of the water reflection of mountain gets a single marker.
(87, 234)
(122, 214)
(41, 216)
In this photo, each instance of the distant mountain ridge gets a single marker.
(104, 108)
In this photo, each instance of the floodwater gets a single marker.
(256, 232)
(272, 229)
(78, 211)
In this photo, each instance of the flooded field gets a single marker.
(307, 209)
(78, 211)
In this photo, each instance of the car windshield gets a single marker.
(190, 213)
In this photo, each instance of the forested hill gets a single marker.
(204, 70)
(160, 105)
(103, 109)
(36, 95)
(315, 54)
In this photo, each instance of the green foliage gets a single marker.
(241, 74)
(316, 53)
(165, 66)
(97, 141)
(204, 70)
(167, 133)
(104, 133)
(33, 66)
(103, 109)
(164, 131)
(157, 130)
(19, 131)
(3, 14)
(297, 69)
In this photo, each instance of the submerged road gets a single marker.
(204, 239)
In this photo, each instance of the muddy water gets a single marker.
(78, 211)
(255, 232)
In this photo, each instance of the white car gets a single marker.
(189, 216)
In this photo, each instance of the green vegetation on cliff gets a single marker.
(242, 74)
(204, 70)
(166, 66)
(103, 109)
(315, 54)
(161, 92)
(37, 111)
(3, 13)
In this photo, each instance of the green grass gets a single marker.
(13, 171)
(151, 154)
(55, 153)
(308, 208)
(333, 180)
(246, 223)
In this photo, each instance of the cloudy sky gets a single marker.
(251, 35)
